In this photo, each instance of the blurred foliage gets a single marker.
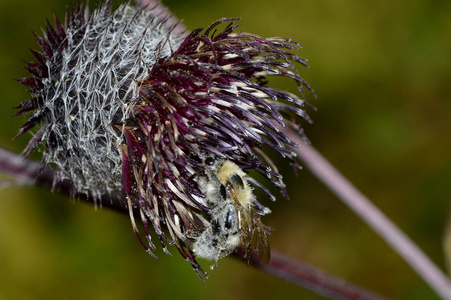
(382, 73)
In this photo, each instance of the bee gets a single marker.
(233, 217)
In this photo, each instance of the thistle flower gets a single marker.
(126, 105)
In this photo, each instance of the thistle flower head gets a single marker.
(124, 104)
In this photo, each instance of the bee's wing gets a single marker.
(259, 239)
(253, 235)
(245, 226)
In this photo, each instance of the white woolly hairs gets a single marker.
(90, 89)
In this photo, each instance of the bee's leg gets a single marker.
(215, 266)
(194, 232)
(212, 177)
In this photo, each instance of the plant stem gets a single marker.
(28, 172)
(316, 280)
(280, 266)
(369, 213)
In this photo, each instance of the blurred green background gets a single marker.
(382, 72)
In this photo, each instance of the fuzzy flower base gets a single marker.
(125, 105)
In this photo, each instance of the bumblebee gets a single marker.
(233, 219)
